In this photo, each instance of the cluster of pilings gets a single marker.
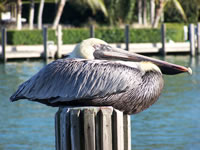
(194, 38)
(92, 128)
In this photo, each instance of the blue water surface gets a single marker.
(172, 123)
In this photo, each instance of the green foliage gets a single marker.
(52, 36)
(190, 7)
(28, 37)
(110, 35)
(24, 37)
(75, 35)
(120, 11)
(175, 32)
(144, 35)
(174, 25)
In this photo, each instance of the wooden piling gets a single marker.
(45, 38)
(106, 128)
(163, 37)
(92, 31)
(198, 38)
(92, 128)
(127, 37)
(3, 44)
(75, 125)
(118, 130)
(59, 41)
(192, 39)
(89, 128)
(127, 132)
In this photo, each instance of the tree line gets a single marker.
(115, 12)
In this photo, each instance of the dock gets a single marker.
(37, 51)
(51, 50)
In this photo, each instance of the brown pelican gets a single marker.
(127, 81)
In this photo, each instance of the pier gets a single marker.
(51, 50)
(37, 51)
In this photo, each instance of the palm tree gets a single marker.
(59, 13)
(120, 11)
(144, 12)
(152, 10)
(160, 9)
(130, 11)
(94, 5)
(41, 7)
(19, 14)
(31, 14)
(139, 11)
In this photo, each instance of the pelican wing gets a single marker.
(75, 79)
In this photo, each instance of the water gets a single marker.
(171, 124)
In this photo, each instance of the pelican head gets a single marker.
(86, 48)
(94, 48)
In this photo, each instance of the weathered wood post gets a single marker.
(163, 37)
(3, 44)
(198, 38)
(59, 41)
(45, 38)
(192, 39)
(92, 128)
(92, 31)
(127, 132)
(127, 37)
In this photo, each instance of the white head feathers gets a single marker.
(85, 49)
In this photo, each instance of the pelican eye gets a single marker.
(102, 47)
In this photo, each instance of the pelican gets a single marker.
(101, 76)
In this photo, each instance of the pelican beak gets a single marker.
(109, 53)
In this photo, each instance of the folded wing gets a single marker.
(76, 79)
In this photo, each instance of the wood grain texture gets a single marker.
(118, 130)
(127, 132)
(65, 129)
(89, 128)
(106, 128)
(75, 129)
(92, 128)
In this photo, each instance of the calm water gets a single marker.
(173, 123)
